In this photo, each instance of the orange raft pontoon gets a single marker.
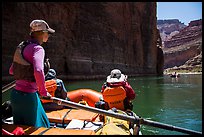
(88, 95)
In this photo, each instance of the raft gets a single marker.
(71, 121)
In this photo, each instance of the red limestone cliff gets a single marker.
(183, 47)
(91, 39)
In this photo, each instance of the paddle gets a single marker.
(8, 86)
(136, 119)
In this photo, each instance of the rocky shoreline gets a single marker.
(184, 70)
(184, 73)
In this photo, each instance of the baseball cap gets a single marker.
(40, 25)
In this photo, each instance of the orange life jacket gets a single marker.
(51, 86)
(114, 97)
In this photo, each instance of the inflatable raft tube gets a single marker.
(88, 95)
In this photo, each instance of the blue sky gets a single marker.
(184, 11)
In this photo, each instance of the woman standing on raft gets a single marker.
(28, 70)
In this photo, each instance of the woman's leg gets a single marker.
(28, 110)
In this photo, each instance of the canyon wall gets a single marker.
(91, 39)
(184, 46)
(169, 28)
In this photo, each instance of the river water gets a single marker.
(174, 101)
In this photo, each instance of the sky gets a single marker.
(184, 11)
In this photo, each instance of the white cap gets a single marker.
(116, 76)
(40, 25)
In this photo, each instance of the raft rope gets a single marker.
(41, 133)
(63, 120)
(137, 128)
(86, 122)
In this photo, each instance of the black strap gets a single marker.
(41, 133)
(22, 46)
(46, 60)
(46, 66)
(65, 117)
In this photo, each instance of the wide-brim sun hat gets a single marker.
(40, 25)
(116, 76)
(114, 80)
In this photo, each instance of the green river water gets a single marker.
(174, 101)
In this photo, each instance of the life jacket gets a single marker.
(115, 97)
(51, 86)
(22, 69)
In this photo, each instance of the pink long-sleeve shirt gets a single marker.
(34, 54)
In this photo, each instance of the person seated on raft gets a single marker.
(55, 87)
(117, 92)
